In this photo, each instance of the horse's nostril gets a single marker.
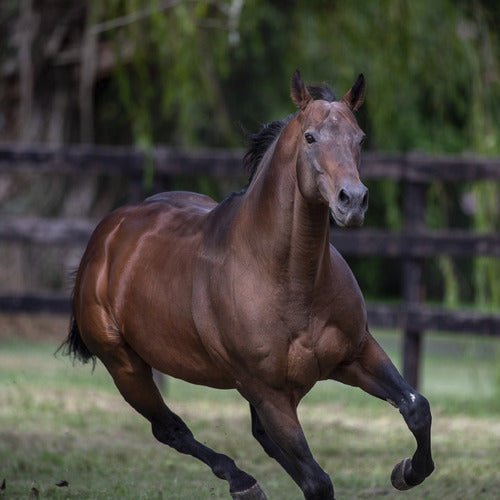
(344, 197)
(364, 201)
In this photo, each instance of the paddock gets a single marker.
(75, 427)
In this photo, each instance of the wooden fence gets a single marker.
(413, 244)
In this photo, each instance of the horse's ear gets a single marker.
(300, 95)
(356, 94)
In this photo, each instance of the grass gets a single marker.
(62, 423)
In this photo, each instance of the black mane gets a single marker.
(261, 141)
(259, 144)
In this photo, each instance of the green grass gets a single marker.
(59, 422)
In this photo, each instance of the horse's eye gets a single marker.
(310, 138)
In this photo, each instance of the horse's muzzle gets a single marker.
(351, 205)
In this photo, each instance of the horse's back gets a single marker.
(193, 202)
(159, 222)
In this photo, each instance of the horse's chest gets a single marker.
(314, 354)
(303, 364)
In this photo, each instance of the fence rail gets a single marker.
(355, 242)
(127, 161)
(412, 244)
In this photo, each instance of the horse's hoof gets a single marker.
(404, 476)
(253, 493)
(398, 475)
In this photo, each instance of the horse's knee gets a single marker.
(416, 412)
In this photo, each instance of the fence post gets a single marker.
(414, 209)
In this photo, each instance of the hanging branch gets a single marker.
(27, 28)
(134, 16)
(88, 68)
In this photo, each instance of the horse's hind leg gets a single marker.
(374, 372)
(134, 379)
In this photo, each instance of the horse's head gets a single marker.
(329, 151)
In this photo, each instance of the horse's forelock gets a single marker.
(322, 92)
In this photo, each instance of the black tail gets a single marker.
(73, 346)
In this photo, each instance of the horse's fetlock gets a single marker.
(321, 488)
(423, 468)
(225, 468)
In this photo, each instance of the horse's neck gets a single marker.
(309, 243)
(289, 234)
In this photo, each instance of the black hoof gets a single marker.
(403, 476)
(253, 493)
(398, 475)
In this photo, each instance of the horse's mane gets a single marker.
(261, 141)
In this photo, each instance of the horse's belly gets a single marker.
(186, 360)
(161, 329)
(165, 336)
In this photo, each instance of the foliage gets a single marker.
(486, 140)
(200, 67)
(171, 56)
(431, 67)
(188, 72)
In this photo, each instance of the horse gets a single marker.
(247, 294)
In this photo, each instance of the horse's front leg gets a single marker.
(373, 371)
(275, 425)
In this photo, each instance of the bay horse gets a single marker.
(247, 294)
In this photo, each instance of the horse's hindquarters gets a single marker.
(134, 286)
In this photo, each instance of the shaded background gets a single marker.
(193, 74)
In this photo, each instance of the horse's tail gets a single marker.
(73, 346)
